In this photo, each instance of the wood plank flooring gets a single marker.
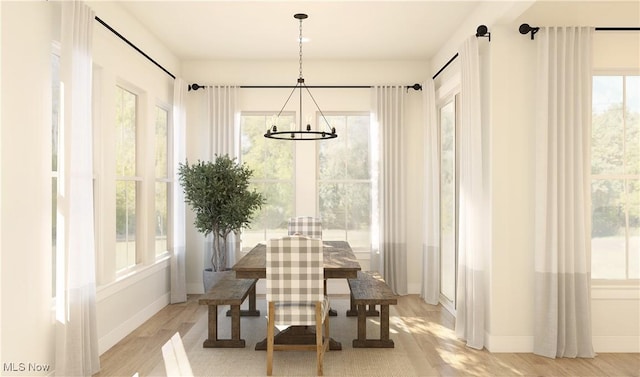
(431, 327)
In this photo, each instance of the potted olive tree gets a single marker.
(218, 192)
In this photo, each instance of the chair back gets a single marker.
(295, 270)
(305, 226)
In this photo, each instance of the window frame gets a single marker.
(137, 178)
(344, 181)
(602, 286)
(268, 115)
(168, 180)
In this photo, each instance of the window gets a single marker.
(448, 202)
(56, 97)
(344, 181)
(126, 179)
(162, 181)
(615, 177)
(272, 162)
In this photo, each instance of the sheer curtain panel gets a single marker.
(178, 242)
(563, 193)
(223, 120)
(431, 205)
(76, 329)
(470, 305)
(391, 260)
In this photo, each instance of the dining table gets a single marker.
(339, 263)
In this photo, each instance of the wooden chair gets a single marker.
(305, 226)
(175, 358)
(295, 293)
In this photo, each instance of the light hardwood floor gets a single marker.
(431, 327)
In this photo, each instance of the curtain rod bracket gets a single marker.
(483, 31)
(525, 29)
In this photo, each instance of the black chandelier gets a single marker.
(301, 133)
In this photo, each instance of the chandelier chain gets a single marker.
(300, 46)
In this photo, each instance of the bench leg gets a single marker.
(353, 310)
(213, 341)
(384, 341)
(252, 311)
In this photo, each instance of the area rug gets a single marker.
(405, 359)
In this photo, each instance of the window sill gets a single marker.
(136, 275)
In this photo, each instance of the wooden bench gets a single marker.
(369, 288)
(229, 291)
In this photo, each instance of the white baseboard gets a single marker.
(124, 329)
(195, 288)
(617, 344)
(509, 344)
(601, 344)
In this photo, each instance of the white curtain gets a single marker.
(178, 241)
(389, 256)
(470, 305)
(76, 329)
(431, 201)
(223, 124)
(563, 193)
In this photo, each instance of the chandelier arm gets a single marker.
(287, 101)
(318, 107)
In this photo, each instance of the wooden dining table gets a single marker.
(339, 263)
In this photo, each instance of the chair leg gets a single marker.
(319, 341)
(270, 337)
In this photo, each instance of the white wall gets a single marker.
(25, 195)
(316, 72)
(511, 105)
(25, 201)
(124, 304)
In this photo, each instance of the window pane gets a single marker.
(632, 121)
(633, 188)
(271, 221)
(268, 158)
(608, 229)
(55, 116)
(333, 207)
(608, 128)
(162, 120)
(333, 156)
(161, 225)
(344, 181)
(447, 201)
(272, 162)
(55, 126)
(125, 224)
(54, 232)
(125, 133)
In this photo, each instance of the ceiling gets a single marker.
(398, 30)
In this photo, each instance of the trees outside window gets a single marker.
(344, 180)
(615, 177)
(272, 162)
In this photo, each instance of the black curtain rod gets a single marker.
(445, 66)
(481, 31)
(526, 29)
(134, 46)
(617, 28)
(198, 86)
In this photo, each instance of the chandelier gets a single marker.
(303, 132)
